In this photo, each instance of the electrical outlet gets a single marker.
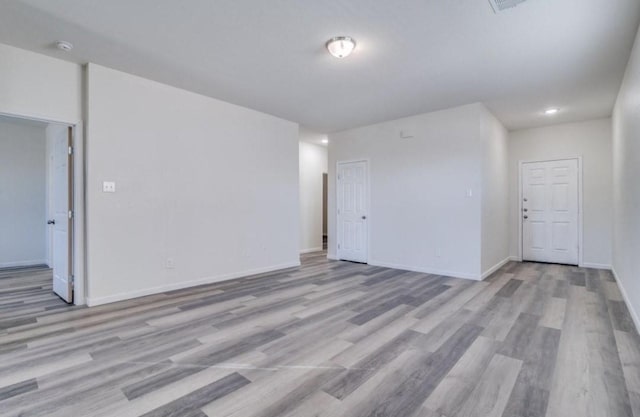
(406, 134)
(108, 187)
(170, 263)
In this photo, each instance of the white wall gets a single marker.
(39, 86)
(626, 190)
(421, 217)
(592, 141)
(22, 195)
(313, 163)
(495, 194)
(211, 186)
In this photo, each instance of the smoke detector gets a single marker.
(64, 46)
(501, 5)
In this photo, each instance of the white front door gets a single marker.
(550, 211)
(62, 219)
(352, 211)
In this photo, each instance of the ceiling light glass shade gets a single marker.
(341, 46)
(551, 111)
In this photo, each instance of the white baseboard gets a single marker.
(318, 249)
(627, 301)
(595, 266)
(494, 268)
(426, 270)
(582, 265)
(24, 263)
(95, 301)
(332, 256)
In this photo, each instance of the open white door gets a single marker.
(352, 211)
(550, 211)
(62, 221)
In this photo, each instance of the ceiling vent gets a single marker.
(501, 5)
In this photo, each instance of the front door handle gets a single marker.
(51, 222)
(364, 217)
(526, 217)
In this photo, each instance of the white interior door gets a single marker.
(550, 211)
(352, 211)
(62, 219)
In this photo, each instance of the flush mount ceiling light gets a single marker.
(325, 141)
(550, 112)
(341, 46)
(64, 46)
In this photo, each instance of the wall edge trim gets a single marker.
(634, 315)
(95, 301)
(494, 268)
(427, 270)
(309, 250)
(30, 262)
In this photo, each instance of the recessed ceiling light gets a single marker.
(325, 141)
(64, 46)
(341, 46)
(550, 112)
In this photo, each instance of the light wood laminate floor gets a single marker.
(327, 339)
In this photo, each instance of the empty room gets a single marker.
(338, 208)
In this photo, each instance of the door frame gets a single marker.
(78, 192)
(368, 200)
(580, 204)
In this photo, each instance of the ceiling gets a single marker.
(413, 56)
(22, 121)
(310, 136)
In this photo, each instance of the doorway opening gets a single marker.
(313, 168)
(37, 199)
(550, 211)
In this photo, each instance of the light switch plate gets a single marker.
(108, 187)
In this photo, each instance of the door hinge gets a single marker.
(70, 214)
(72, 280)
(339, 176)
(338, 246)
(70, 150)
